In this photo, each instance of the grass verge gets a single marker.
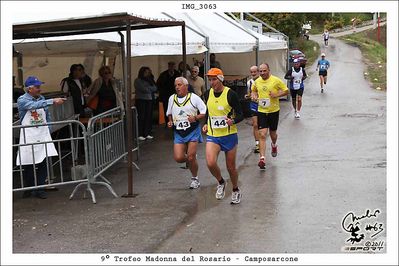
(374, 54)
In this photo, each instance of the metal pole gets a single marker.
(183, 30)
(20, 68)
(129, 112)
(378, 30)
(206, 62)
(257, 53)
(123, 57)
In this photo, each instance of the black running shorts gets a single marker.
(294, 93)
(268, 120)
(323, 73)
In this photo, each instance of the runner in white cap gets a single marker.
(296, 75)
(322, 66)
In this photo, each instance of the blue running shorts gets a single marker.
(226, 143)
(194, 136)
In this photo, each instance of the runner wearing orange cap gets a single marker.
(223, 113)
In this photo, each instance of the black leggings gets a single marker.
(144, 111)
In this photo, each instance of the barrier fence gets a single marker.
(56, 172)
(104, 145)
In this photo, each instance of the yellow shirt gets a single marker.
(218, 111)
(267, 104)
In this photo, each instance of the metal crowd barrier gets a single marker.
(136, 146)
(104, 146)
(58, 172)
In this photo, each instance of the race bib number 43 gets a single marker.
(264, 102)
(218, 122)
(182, 124)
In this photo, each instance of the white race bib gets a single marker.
(264, 102)
(297, 84)
(218, 122)
(182, 124)
(323, 66)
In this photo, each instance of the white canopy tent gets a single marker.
(205, 33)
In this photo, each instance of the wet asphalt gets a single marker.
(330, 162)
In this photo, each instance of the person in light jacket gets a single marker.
(107, 91)
(145, 88)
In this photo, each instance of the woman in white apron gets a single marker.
(33, 110)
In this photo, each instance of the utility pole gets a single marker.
(378, 29)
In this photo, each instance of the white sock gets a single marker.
(274, 144)
(195, 177)
(257, 142)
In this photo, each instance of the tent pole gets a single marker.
(206, 62)
(257, 53)
(20, 69)
(129, 111)
(183, 36)
(123, 57)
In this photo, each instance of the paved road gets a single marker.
(356, 30)
(331, 162)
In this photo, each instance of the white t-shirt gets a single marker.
(180, 113)
(196, 101)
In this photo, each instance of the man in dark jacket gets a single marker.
(166, 84)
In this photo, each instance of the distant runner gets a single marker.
(296, 75)
(322, 66)
(326, 36)
(254, 106)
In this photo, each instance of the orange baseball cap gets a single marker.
(215, 72)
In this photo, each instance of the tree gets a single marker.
(288, 23)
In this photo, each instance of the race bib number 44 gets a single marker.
(218, 122)
(264, 102)
(182, 124)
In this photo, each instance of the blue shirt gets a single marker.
(27, 102)
(324, 64)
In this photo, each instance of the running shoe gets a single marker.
(297, 115)
(141, 138)
(149, 137)
(220, 191)
(322, 90)
(236, 197)
(274, 150)
(194, 183)
(262, 163)
(256, 150)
